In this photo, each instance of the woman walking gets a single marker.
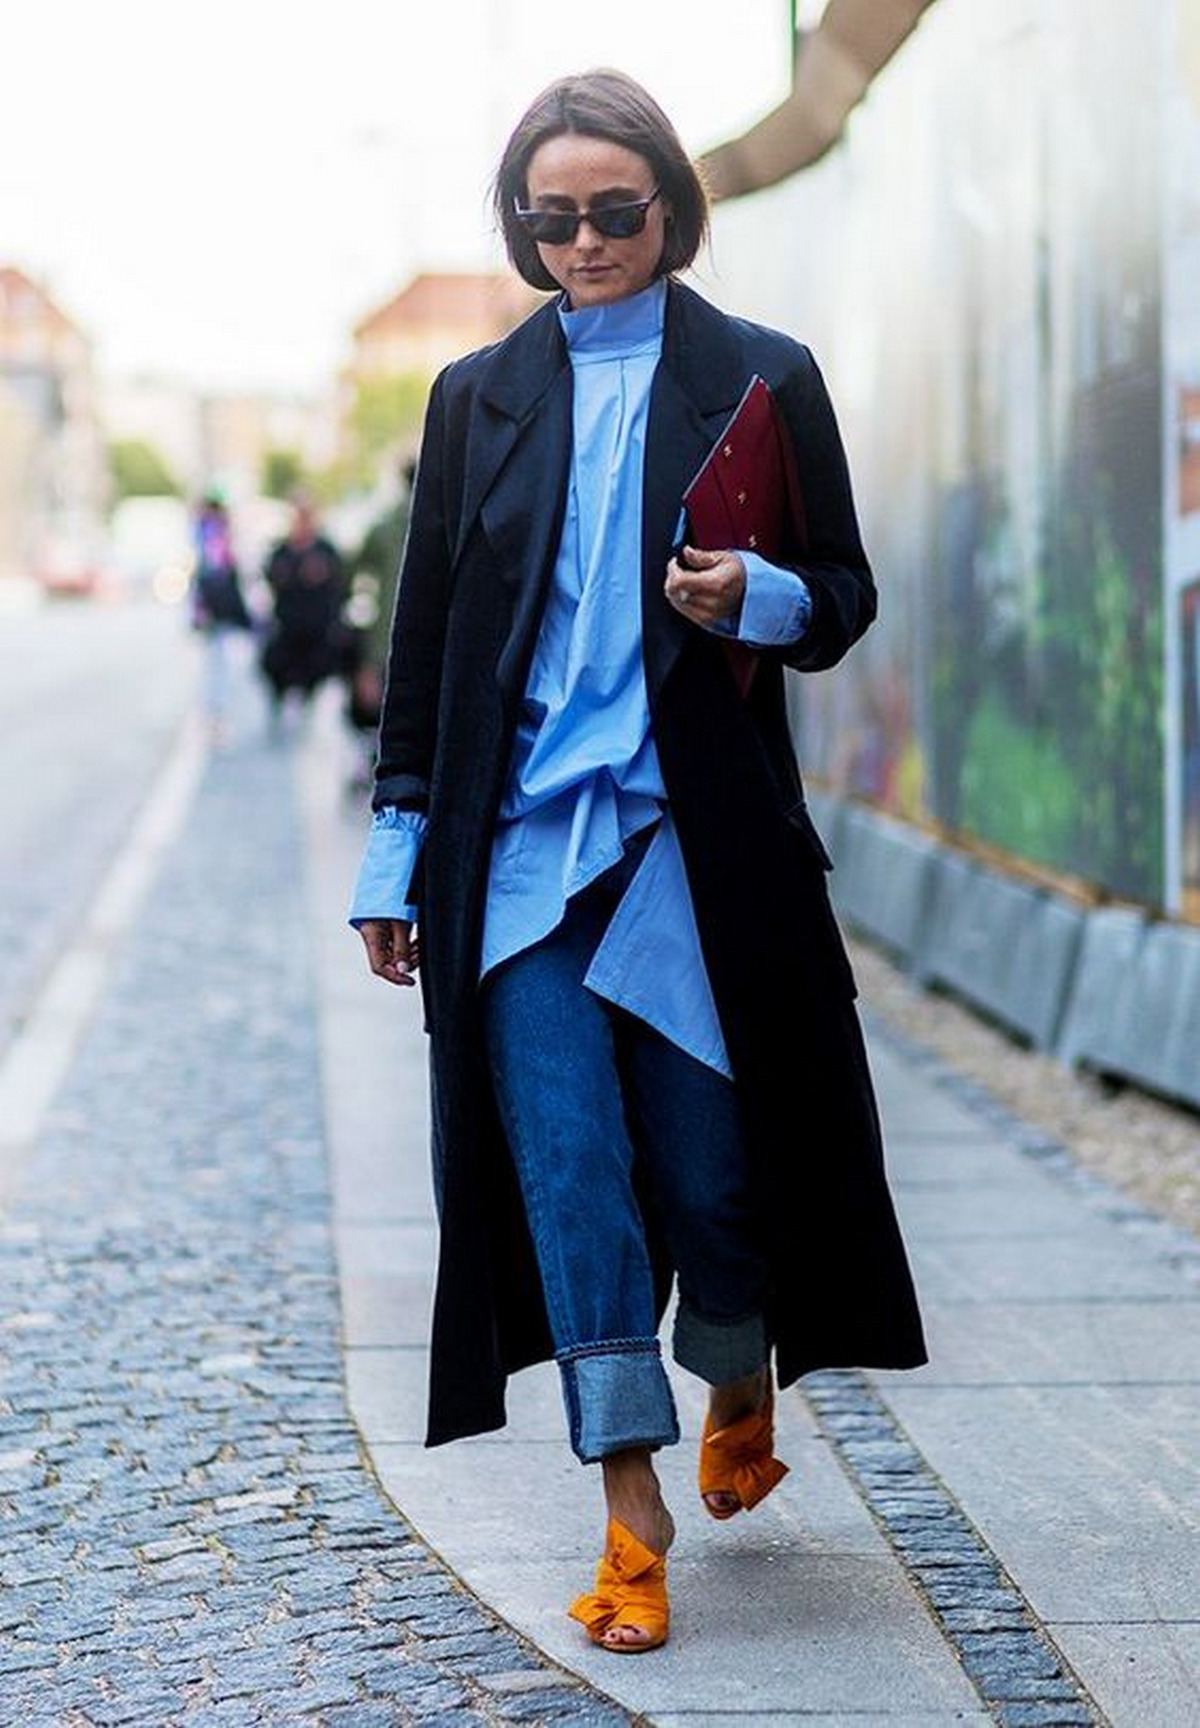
(646, 1062)
(218, 607)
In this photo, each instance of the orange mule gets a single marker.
(739, 1460)
(631, 1590)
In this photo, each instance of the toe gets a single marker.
(626, 1635)
(722, 1502)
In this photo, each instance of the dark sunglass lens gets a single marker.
(559, 227)
(550, 227)
(621, 222)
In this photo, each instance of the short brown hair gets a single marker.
(602, 104)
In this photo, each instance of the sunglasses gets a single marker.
(559, 227)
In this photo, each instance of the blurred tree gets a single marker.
(339, 480)
(384, 414)
(282, 472)
(138, 471)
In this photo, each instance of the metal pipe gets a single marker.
(833, 69)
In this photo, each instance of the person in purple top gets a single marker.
(217, 605)
(593, 850)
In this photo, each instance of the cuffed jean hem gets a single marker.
(617, 1395)
(718, 1351)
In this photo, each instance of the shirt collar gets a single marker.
(619, 327)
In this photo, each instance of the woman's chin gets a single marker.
(599, 288)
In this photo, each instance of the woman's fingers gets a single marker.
(705, 586)
(696, 558)
(392, 953)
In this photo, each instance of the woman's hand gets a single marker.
(706, 586)
(392, 950)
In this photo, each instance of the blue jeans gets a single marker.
(584, 1090)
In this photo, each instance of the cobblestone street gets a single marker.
(188, 1529)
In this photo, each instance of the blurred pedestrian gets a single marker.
(217, 605)
(646, 1058)
(304, 643)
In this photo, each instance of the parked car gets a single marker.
(68, 567)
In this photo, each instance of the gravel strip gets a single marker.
(1147, 1148)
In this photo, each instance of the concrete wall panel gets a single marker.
(884, 877)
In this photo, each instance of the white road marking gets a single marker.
(36, 1062)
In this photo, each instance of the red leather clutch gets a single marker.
(746, 496)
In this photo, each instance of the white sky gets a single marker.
(217, 191)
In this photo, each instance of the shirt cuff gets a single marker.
(389, 859)
(776, 608)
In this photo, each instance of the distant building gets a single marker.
(237, 431)
(437, 317)
(53, 475)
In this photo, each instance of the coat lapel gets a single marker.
(522, 518)
(519, 383)
(515, 478)
(696, 388)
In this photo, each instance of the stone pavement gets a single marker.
(196, 1528)
(190, 1530)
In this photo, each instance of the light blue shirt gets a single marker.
(584, 774)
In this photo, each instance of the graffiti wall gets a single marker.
(979, 269)
(1181, 397)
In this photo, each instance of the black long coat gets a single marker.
(486, 519)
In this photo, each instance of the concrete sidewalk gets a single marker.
(1012, 1534)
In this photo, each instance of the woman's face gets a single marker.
(571, 172)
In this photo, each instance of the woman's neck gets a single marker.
(617, 324)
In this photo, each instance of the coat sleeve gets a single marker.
(834, 564)
(408, 723)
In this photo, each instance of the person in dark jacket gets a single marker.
(308, 586)
(646, 1062)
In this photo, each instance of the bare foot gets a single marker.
(728, 1404)
(634, 1499)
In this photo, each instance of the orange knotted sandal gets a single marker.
(631, 1590)
(739, 1460)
